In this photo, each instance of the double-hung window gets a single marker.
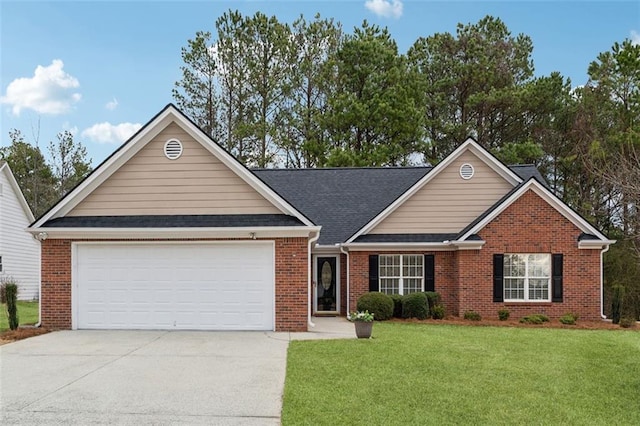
(401, 273)
(527, 277)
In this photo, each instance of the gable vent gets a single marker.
(466, 171)
(173, 149)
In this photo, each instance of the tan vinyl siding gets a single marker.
(447, 203)
(196, 183)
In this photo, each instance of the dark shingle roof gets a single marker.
(343, 200)
(173, 221)
(528, 171)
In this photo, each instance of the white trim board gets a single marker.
(547, 196)
(168, 115)
(468, 145)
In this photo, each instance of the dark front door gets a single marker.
(326, 284)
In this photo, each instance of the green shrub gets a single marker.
(397, 305)
(503, 314)
(616, 302)
(415, 305)
(627, 322)
(534, 319)
(438, 312)
(433, 299)
(11, 296)
(379, 304)
(472, 316)
(569, 319)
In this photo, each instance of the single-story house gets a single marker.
(19, 251)
(171, 232)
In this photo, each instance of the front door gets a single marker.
(327, 284)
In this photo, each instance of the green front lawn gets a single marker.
(27, 314)
(440, 374)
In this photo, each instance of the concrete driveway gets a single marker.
(144, 377)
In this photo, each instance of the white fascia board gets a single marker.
(240, 170)
(333, 249)
(16, 189)
(110, 166)
(139, 140)
(470, 145)
(551, 199)
(153, 233)
(444, 246)
(594, 244)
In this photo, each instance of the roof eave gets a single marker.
(249, 232)
(595, 244)
(439, 246)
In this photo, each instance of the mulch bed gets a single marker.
(553, 323)
(21, 333)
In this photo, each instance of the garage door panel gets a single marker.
(174, 286)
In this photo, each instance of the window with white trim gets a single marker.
(401, 273)
(0, 263)
(527, 277)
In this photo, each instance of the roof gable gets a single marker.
(169, 116)
(533, 185)
(6, 170)
(469, 146)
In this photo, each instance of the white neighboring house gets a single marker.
(19, 251)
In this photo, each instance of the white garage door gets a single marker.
(222, 286)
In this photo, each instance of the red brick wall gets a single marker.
(465, 278)
(55, 297)
(445, 276)
(530, 225)
(291, 283)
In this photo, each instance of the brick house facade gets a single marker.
(484, 235)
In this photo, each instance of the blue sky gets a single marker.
(103, 68)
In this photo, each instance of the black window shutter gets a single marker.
(498, 277)
(556, 280)
(373, 273)
(429, 272)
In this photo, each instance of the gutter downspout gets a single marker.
(602, 252)
(309, 280)
(343, 251)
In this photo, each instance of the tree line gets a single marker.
(310, 94)
(44, 182)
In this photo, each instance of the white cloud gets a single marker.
(49, 91)
(111, 105)
(635, 37)
(111, 133)
(385, 8)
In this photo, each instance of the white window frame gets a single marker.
(401, 277)
(526, 278)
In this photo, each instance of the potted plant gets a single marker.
(363, 321)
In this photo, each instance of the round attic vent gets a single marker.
(466, 171)
(173, 149)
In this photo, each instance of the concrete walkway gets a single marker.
(150, 377)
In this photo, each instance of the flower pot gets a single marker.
(363, 329)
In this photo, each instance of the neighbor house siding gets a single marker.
(195, 183)
(447, 203)
(19, 250)
(291, 285)
(531, 225)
